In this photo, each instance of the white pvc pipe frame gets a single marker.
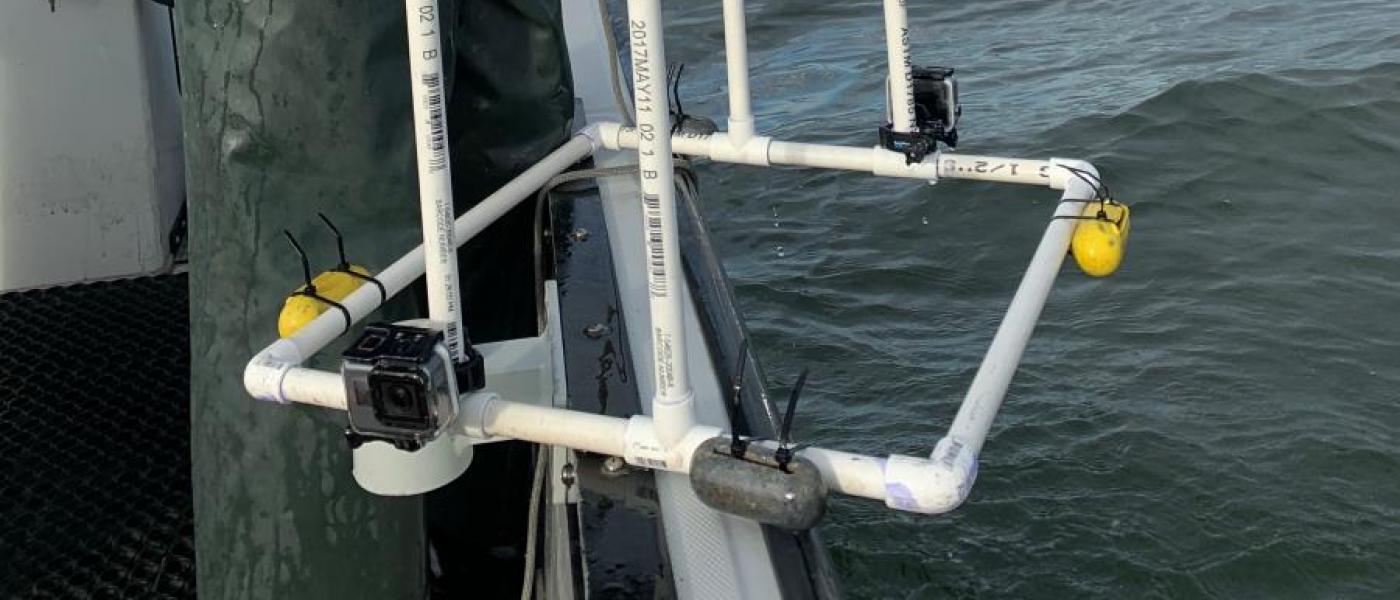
(901, 78)
(434, 170)
(673, 397)
(930, 485)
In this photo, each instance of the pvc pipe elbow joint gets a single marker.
(605, 135)
(1063, 179)
(934, 485)
(472, 412)
(263, 376)
(595, 131)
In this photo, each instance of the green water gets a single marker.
(1219, 419)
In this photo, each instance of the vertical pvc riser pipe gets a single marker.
(736, 57)
(671, 403)
(901, 80)
(434, 168)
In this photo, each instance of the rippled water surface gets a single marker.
(1220, 418)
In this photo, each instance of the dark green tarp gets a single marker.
(300, 106)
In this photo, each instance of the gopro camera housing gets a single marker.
(400, 386)
(936, 112)
(936, 108)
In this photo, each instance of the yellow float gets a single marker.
(299, 310)
(1101, 238)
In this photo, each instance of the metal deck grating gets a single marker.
(95, 498)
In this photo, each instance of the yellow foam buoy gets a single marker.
(297, 311)
(1098, 244)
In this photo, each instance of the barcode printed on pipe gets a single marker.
(652, 463)
(656, 248)
(437, 131)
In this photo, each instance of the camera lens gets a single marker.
(400, 397)
(401, 400)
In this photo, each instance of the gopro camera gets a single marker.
(400, 386)
(936, 108)
(936, 112)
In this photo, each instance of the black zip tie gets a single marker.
(785, 451)
(679, 111)
(737, 445)
(344, 266)
(1100, 216)
(310, 289)
(1101, 191)
(345, 312)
